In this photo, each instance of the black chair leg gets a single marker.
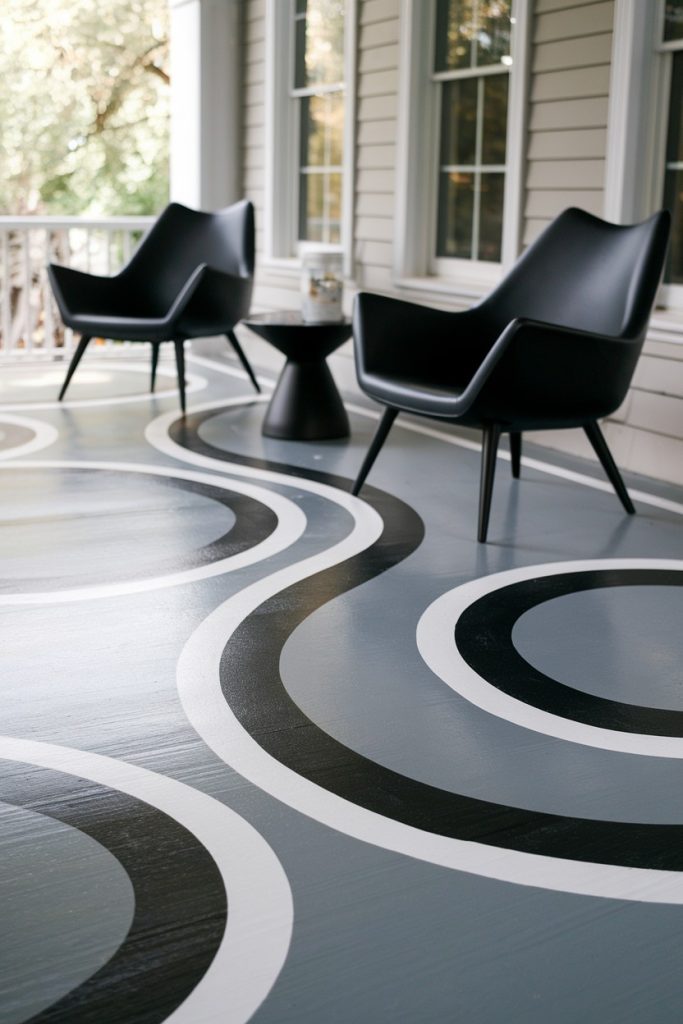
(75, 360)
(515, 452)
(180, 365)
(597, 439)
(243, 359)
(375, 445)
(155, 360)
(488, 469)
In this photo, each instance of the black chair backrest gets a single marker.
(180, 240)
(586, 273)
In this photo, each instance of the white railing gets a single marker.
(30, 325)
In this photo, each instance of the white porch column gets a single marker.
(206, 56)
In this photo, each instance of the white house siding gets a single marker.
(568, 104)
(377, 110)
(565, 165)
(568, 100)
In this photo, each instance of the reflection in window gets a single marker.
(673, 176)
(472, 61)
(673, 20)
(319, 90)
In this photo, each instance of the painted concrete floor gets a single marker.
(273, 753)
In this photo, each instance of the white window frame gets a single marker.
(638, 120)
(415, 263)
(282, 139)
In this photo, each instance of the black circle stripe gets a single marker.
(251, 683)
(483, 635)
(180, 901)
(254, 521)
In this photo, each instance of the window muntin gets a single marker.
(318, 90)
(471, 69)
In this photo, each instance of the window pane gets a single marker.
(491, 216)
(300, 52)
(674, 141)
(493, 31)
(673, 200)
(459, 122)
(320, 207)
(455, 30)
(673, 20)
(673, 180)
(456, 215)
(319, 42)
(470, 33)
(495, 119)
(322, 130)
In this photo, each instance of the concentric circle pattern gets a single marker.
(483, 636)
(306, 731)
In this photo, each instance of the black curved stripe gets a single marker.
(254, 521)
(483, 635)
(251, 683)
(180, 901)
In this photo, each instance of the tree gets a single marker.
(84, 106)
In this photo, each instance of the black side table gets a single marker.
(306, 405)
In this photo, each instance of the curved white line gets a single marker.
(193, 383)
(44, 436)
(156, 434)
(229, 371)
(538, 464)
(212, 718)
(260, 911)
(436, 643)
(291, 524)
(199, 687)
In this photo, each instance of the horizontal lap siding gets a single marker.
(254, 113)
(645, 434)
(568, 103)
(378, 71)
(566, 152)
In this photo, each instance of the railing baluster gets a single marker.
(28, 284)
(6, 294)
(48, 318)
(28, 324)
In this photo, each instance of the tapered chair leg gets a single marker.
(180, 365)
(488, 469)
(515, 452)
(75, 360)
(373, 451)
(243, 359)
(597, 439)
(155, 360)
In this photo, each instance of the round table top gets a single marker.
(300, 340)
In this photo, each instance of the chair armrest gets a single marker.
(218, 302)
(75, 291)
(546, 370)
(394, 336)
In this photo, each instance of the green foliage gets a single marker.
(84, 107)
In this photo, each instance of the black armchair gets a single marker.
(553, 346)
(191, 276)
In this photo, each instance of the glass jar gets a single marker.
(321, 287)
